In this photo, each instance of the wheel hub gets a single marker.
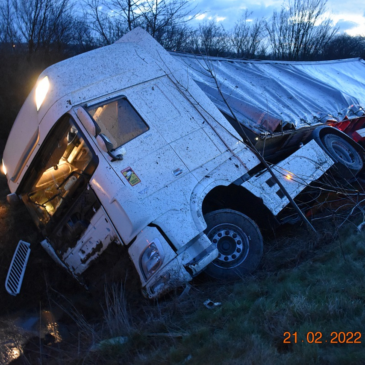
(231, 242)
(343, 153)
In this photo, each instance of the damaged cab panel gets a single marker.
(136, 154)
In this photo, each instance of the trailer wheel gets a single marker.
(348, 160)
(239, 243)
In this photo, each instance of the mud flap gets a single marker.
(17, 268)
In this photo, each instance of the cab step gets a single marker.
(17, 268)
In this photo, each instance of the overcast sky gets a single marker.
(348, 15)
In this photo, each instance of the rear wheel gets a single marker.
(239, 243)
(348, 160)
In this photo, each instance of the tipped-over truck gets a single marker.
(120, 146)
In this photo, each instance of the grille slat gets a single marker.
(17, 268)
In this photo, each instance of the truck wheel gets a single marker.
(239, 243)
(348, 160)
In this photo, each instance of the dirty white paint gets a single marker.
(188, 149)
(295, 173)
(91, 245)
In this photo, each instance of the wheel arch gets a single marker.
(236, 197)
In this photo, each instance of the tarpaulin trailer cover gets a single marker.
(268, 95)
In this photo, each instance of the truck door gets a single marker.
(56, 189)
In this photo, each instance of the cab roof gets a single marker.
(129, 61)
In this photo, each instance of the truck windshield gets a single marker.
(57, 171)
(119, 121)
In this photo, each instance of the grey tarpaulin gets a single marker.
(265, 94)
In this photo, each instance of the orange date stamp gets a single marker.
(318, 337)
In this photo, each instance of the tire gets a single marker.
(348, 161)
(239, 243)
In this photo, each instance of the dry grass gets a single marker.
(116, 317)
(321, 291)
(304, 285)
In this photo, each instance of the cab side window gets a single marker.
(119, 121)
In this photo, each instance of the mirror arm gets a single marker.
(115, 157)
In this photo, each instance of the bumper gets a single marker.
(177, 268)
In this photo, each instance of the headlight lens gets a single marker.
(3, 168)
(41, 91)
(151, 260)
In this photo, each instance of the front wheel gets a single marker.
(239, 243)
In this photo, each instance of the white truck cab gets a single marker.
(120, 145)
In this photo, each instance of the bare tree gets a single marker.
(129, 11)
(43, 23)
(82, 38)
(165, 20)
(179, 38)
(106, 27)
(60, 27)
(345, 46)
(246, 38)
(8, 32)
(211, 39)
(30, 19)
(160, 15)
(298, 31)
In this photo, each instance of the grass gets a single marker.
(324, 292)
(116, 317)
(305, 285)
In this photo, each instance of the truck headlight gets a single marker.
(3, 168)
(151, 259)
(41, 91)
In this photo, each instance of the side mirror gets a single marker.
(94, 130)
(88, 123)
(106, 146)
